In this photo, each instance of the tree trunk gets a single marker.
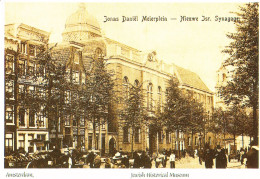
(255, 123)
(224, 139)
(192, 139)
(94, 135)
(56, 126)
(234, 140)
(242, 140)
(78, 133)
(178, 145)
(132, 143)
(100, 139)
(157, 142)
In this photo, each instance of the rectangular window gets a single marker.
(9, 114)
(32, 50)
(75, 141)
(9, 64)
(67, 120)
(83, 80)
(32, 119)
(137, 135)
(24, 48)
(21, 94)
(89, 141)
(59, 124)
(41, 137)
(8, 143)
(67, 131)
(67, 97)
(126, 134)
(41, 119)
(90, 125)
(210, 142)
(9, 89)
(82, 138)
(42, 93)
(21, 140)
(22, 67)
(30, 147)
(168, 137)
(196, 141)
(82, 121)
(21, 117)
(160, 136)
(32, 90)
(41, 146)
(103, 126)
(75, 77)
(189, 141)
(31, 68)
(74, 122)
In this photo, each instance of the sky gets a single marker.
(194, 45)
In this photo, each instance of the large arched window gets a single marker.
(136, 83)
(160, 98)
(126, 134)
(150, 96)
(98, 53)
(126, 87)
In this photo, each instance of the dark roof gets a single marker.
(191, 79)
(61, 54)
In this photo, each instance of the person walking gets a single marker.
(137, 160)
(172, 160)
(97, 161)
(221, 159)
(69, 161)
(252, 155)
(107, 163)
(208, 159)
(147, 161)
(90, 159)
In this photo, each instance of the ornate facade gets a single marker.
(24, 127)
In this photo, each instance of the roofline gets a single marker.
(210, 92)
(124, 45)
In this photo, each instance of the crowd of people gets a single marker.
(221, 157)
(120, 159)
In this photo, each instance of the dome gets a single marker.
(81, 25)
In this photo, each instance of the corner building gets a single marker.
(25, 128)
(82, 41)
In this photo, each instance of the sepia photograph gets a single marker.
(120, 85)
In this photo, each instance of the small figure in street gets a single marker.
(172, 160)
(90, 159)
(242, 152)
(164, 160)
(137, 160)
(118, 163)
(69, 161)
(107, 163)
(221, 159)
(195, 153)
(252, 155)
(125, 161)
(201, 158)
(208, 159)
(147, 161)
(97, 161)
